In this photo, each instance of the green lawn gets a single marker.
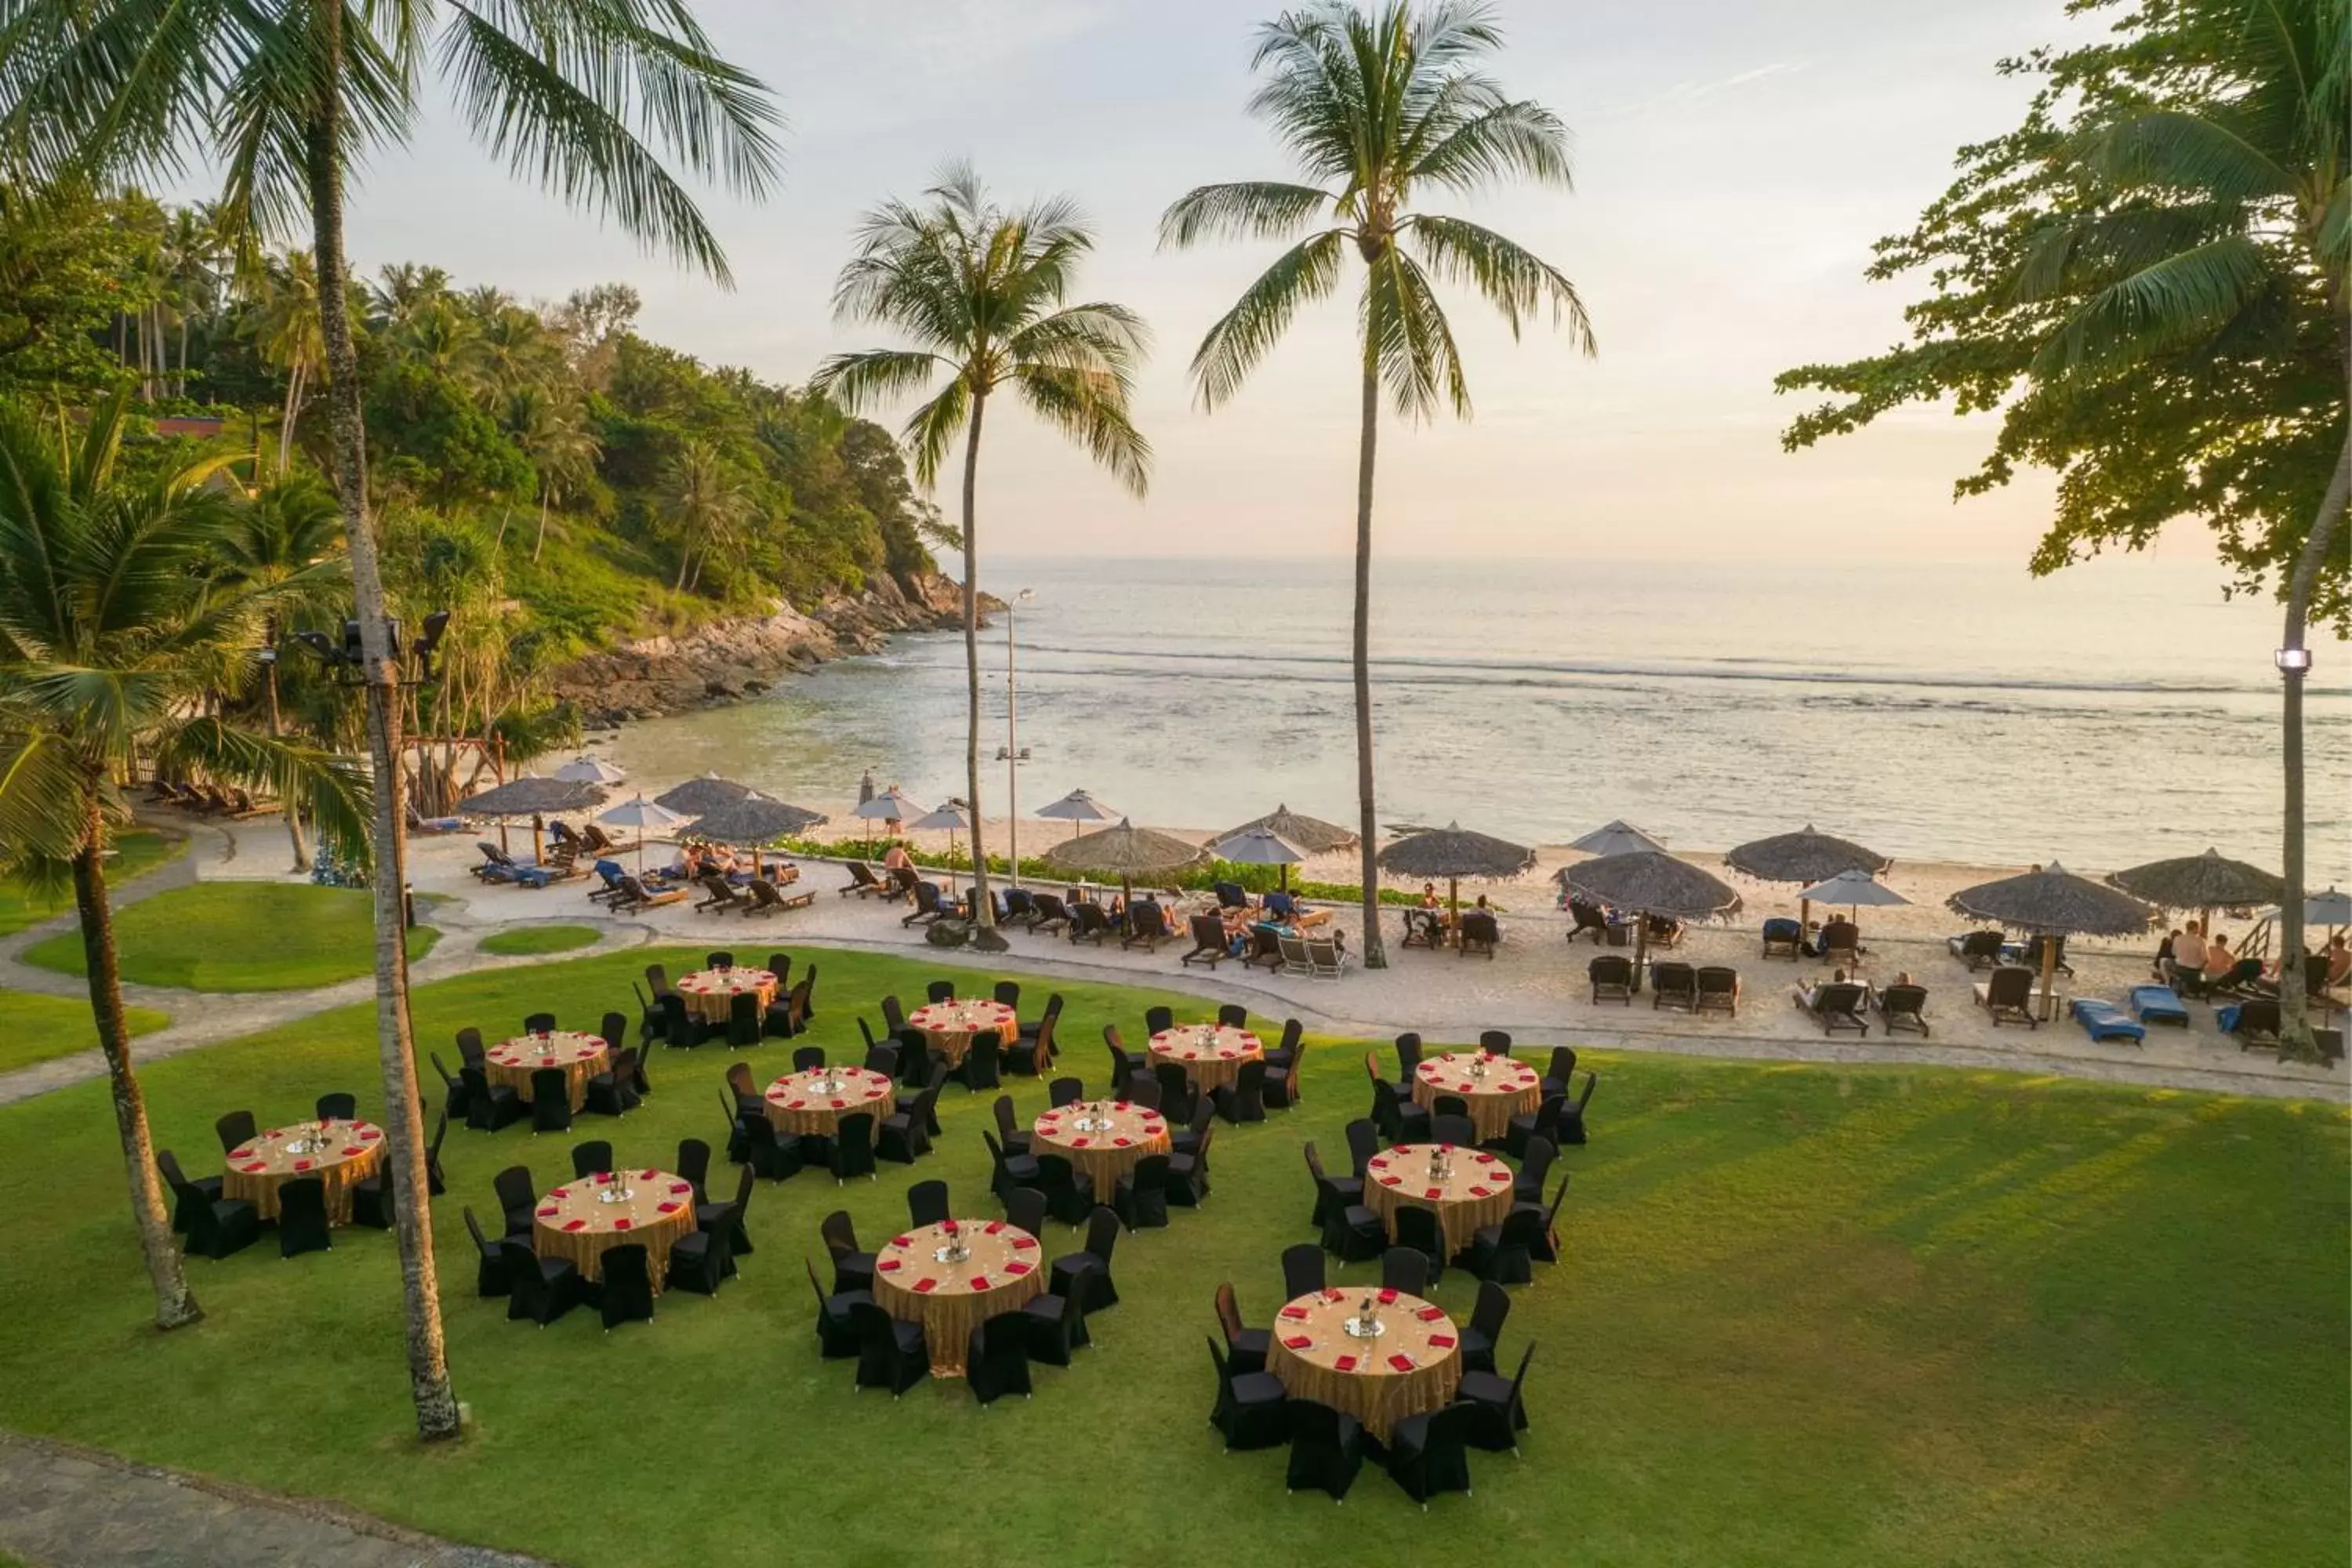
(138, 851)
(1810, 1315)
(238, 936)
(34, 1027)
(538, 942)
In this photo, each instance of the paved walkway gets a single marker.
(64, 1507)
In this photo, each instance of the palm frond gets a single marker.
(1520, 138)
(1408, 339)
(2182, 299)
(863, 380)
(1249, 209)
(933, 427)
(1243, 335)
(41, 785)
(335, 791)
(1514, 280)
(1097, 332)
(2184, 153)
(1090, 407)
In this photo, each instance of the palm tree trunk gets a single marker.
(293, 808)
(1368, 823)
(292, 411)
(182, 384)
(540, 542)
(429, 1357)
(176, 1304)
(985, 935)
(2295, 1040)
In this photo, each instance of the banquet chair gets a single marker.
(490, 1272)
(1007, 993)
(1064, 1092)
(1139, 1196)
(806, 1058)
(734, 1217)
(1057, 1320)
(1428, 1454)
(906, 1136)
(539, 1024)
(613, 1091)
(614, 1030)
(996, 1359)
(701, 1260)
(1249, 1411)
(981, 1068)
(1350, 1231)
(681, 1030)
(1282, 1070)
(1244, 1100)
(1070, 1193)
(1484, 1331)
(469, 1046)
(1417, 1227)
(1404, 1267)
(1010, 1135)
(1454, 1127)
(649, 1014)
(1188, 1172)
(1504, 1253)
(454, 1095)
(1448, 1105)
(890, 1355)
(1388, 1110)
(1535, 1164)
(800, 1002)
(745, 1023)
(594, 1158)
(1571, 1117)
(852, 1268)
(693, 1163)
(894, 1015)
(718, 960)
(1327, 1449)
(1328, 1189)
(853, 1147)
(916, 1058)
(1363, 1143)
(940, 991)
(1408, 1050)
(217, 1226)
(837, 1334)
(539, 1289)
(1093, 1262)
(1546, 1244)
(1233, 1015)
(373, 1204)
(1563, 1071)
(767, 1152)
(1007, 1171)
(518, 1196)
(1499, 1411)
(1159, 1020)
(880, 1056)
(780, 965)
(1025, 1209)
(1245, 1348)
(926, 1098)
(926, 1204)
(1303, 1270)
(1540, 1125)
(186, 1192)
(551, 1102)
(1124, 1061)
(625, 1292)
(1032, 1053)
(1143, 1091)
(235, 1129)
(337, 1107)
(1178, 1098)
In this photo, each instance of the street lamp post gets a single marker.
(1013, 741)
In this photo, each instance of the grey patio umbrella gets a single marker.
(1454, 852)
(2327, 908)
(1617, 839)
(951, 818)
(531, 795)
(647, 816)
(1259, 847)
(888, 807)
(1079, 807)
(1311, 835)
(2051, 900)
(709, 793)
(1651, 882)
(1808, 855)
(2201, 882)
(1854, 889)
(1126, 852)
(753, 821)
(585, 769)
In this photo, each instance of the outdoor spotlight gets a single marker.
(266, 656)
(2293, 660)
(430, 638)
(316, 643)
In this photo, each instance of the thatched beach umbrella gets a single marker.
(2201, 882)
(1651, 882)
(1454, 852)
(753, 821)
(1079, 807)
(1126, 852)
(533, 796)
(2052, 901)
(648, 817)
(1616, 838)
(1260, 847)
(707, 793)
(585, 769)
(1309, 834)
(1806, 856)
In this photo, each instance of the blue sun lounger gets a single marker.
(2158, 1005)
(2102, 1020)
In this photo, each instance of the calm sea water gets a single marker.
(2117, 713)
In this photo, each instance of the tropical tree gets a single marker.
(1376, 107)
(2151, 279)
(704, 506)
(554, 433)
(284, 323)
(981, 292)
(287, 100)
(113, 638)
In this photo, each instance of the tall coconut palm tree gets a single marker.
(1376, 107)
(704, 504)
(288, 96)
(284, 323)
(114, 633)
(2215, 211)
(554, 431)
(981, 292)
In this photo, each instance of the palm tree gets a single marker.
(554, 431)
(289, 97)
(1373, 107)
(2217, 212)
(981, 290)
(112, 639)
(285, 325)
(704, 504)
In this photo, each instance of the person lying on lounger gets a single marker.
(1806, 994)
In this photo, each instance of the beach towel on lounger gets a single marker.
(2158, 1005)
(2102, 1020)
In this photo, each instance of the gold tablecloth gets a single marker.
(1007, 1270)
(951, 1026)
(710, 993)
(338, 1152)
(1104, 1153)
(799, 1102)
(582, 1057)
(1477, 1192)
(574, 1221)
(1315, 1358)
(1508, 1089)
(1211, 1054)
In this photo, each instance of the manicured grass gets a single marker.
(1810, 1315)
(239, 936)
(538, 942)
(139, 851)
(34, 1027)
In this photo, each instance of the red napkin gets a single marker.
(1016, 1268)
(1484, 1159)
(902, 1241)
(980, 1281)
(1480, 1193)
(1024, 1243)
(547, 1061)
(1123, 1143)
(1433, 1193)
(561, 1192)
(1440, 1342)
(1294, 1313)
(575, 1225)
(1379, 1162)
(1118, 1105)
(889, 1265)
(1345, 1363)
(668, 1208)
(1297, 1342)
(257, 1168)
(926, 1285)
(1402, 1362)
(1445, 1148)
(839, 1104)
(1391, 1180)
(1226, 1053)
(1080, 1143)
(622, 1223)
(303, 1165)
(681, 1187)
(550, 1212)
(993, 1227)
(1330, 1295)
(796, 1105)
(369, 1135)
(1466, 1088)
(1387, 1296)
(1429, 1314)
(647, 1175)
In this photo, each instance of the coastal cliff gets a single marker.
(729, 659)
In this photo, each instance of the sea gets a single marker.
(2120, 712)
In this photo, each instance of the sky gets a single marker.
(1734, 163)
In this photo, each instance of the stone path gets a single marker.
(64, 1507)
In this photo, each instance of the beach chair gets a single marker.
(496, 863)
(2158, 1005)
(902, 882)
(1480, 934)
(1294, 955)
(1423, 928)
(609, 877)
(2102, 1020)
(1902, 1009)
(1841, 945)
(1052, 913)
(863, 881)
(2008, 997)
(2254, 1025)
(1979, 949)
(1588, 916)
(1146, 927)
(1613, 978)
(719, 896)
(1208, 941)
(1673, 985)
(1718, 989)
(2032, 957)
(1020, 907)
(1231, 896)
(1837, 1005)
(1265, 947)
(763, 897)
(929, 905)
(1089, 922)
(1324, 959)
(637, 895)
(1782, 939)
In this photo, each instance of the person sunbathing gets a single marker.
(896, 856)
(2339, 961)
(1807, 994)
(2219, 960)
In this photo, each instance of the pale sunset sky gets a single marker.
(1734, 163)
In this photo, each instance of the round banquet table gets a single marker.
(1412, 1367)
(1211, 1054)
(1507, 1088)
(582, 1057)
(1005, 1272)
(951, 1026)
(800, 1102)
(338, 1152)
(1103, 1152)
(710, 993)
(652, 1208)
(1475, 1190)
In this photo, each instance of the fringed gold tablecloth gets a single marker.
(1211, 1054)
(338, 1153)
(951, 1026)
(799, 1102)
(1475, 1191)
(575, 1222)
(1507, 1088)
(1006, 1271)
(1105, 1154)
(1414, 1366)
(582, 1057)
